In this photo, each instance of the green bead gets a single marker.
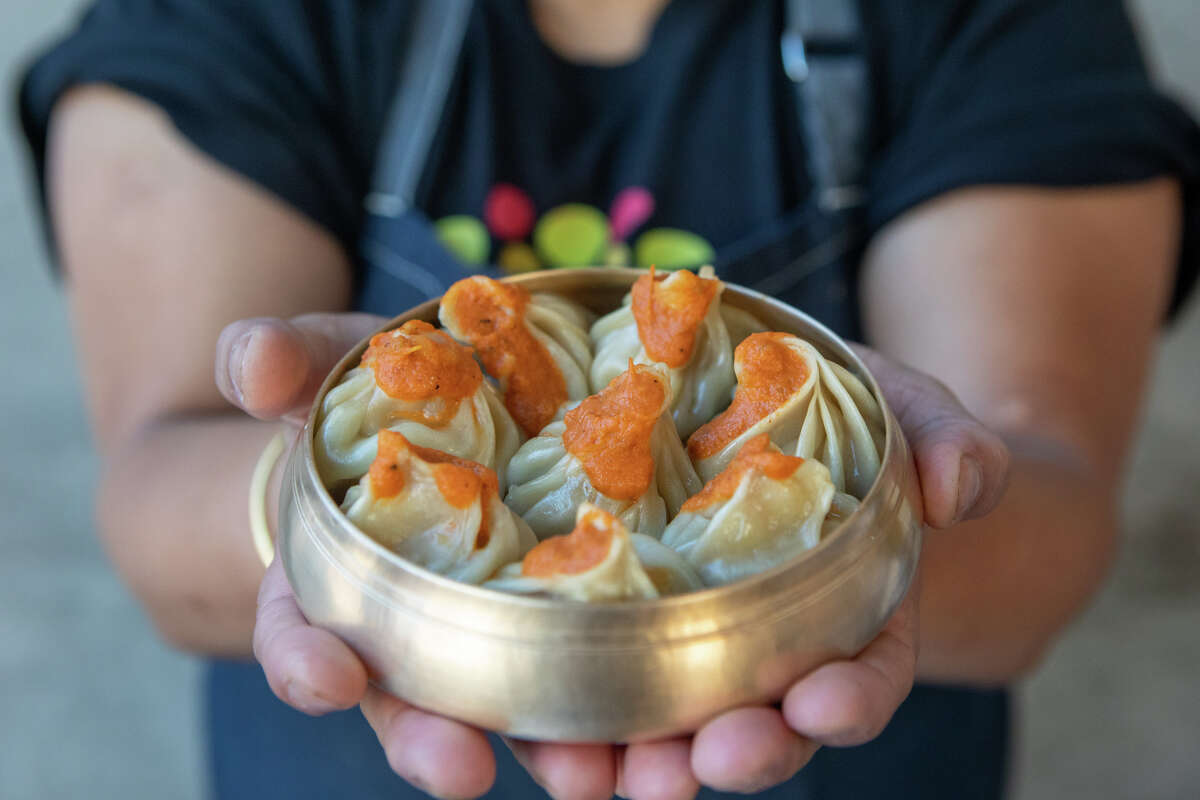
(572, 235)
(518, 257)
(671, 248)
(465, 237)
(618, 255)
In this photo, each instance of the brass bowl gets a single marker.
(546, 669)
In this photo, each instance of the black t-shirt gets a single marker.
(698, 135)
(702, 126)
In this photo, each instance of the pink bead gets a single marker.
(629, 211)
(508, 212)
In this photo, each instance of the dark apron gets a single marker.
(942, 743)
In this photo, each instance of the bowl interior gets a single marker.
(601, 290)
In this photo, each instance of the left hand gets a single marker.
(962, 469)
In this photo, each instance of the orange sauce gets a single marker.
(460, 482)
(417, 363)
(576, 552)
(385, 474)
(491, 316)
(769, 372)
(609, 433)
(669, 313)
(759, 454)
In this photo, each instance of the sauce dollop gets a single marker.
(609, 433)
(417, 363)
(459, 481)
(491, 316)
(769, 372)
(578, 551)
(756, 454)
(669, 312)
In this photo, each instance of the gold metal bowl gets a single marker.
(547, 669)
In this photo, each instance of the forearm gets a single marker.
(1039, 308)
(172, 511)
(995, 592)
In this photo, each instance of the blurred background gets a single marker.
(94, 706)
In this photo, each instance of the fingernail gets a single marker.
(970, 483)
(305, 699)
(237, 359)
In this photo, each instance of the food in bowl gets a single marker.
(507, 400)
(419, 382)
(617, 449)
(538, 666)
(598, 560)
(437, 510)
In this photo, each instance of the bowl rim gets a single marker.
(845, 545)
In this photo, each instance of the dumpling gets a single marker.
(617, 449)
(681, 323)
(534, 345)
(420, 382)
(600, 560)
(763, 509)
(809, 405)
(441, 512)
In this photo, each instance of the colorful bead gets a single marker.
(629, 211)
(518, 257)
(508, 212)
(465, 238)
(618, 254)
(671, 248)
(571, 235)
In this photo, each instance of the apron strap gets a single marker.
(824, 56)
(426, 73)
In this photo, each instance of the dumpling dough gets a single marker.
(600, 560)
(418, 381)
(762, 510)
(680, 323)
(534, 345)
(810, 406)
(617, 450)
(440, 512)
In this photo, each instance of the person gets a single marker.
(1013, 212)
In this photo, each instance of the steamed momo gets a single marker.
(810, 406)
(534, 345)
(763, 509)
(680, 323)
(418, 381)
(598, 561)
(617, 449)
(438, 511)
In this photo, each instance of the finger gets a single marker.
(962, 466)
(308, 668)
(568, 771)
(748, 750)
(847, 703)
(439, 756)
(272, 368)
(657, 771)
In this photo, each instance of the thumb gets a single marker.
(962, 465)
(271, 368)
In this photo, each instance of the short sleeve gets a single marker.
(1032, 92)
(251, 84)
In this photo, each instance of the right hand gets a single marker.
(272, 369)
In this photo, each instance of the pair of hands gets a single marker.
(272, 368)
